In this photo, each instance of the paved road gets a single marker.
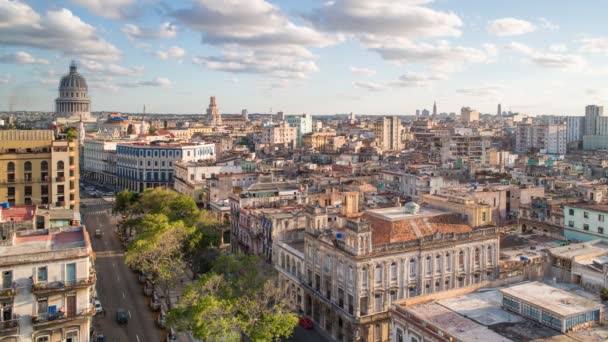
(307, 335)
(117, 285)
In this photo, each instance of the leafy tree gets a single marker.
(239, 297)
(604, 294)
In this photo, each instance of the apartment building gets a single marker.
(349, 272)
(545, 138)
(36, 167)
(99, 161)
(302, 123)
(282, 135)
(192, 178)
(585, 221)
(388, 133)
(47, 284)
(149, 165)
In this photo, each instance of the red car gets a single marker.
(306, 323)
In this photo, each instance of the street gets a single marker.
(117, 285)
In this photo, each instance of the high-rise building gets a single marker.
(434, 108)
(73, 103)
(214, 117)
(468, 115)
(592, 112)
(546, 138)
(425, 112)
(245, 114)
(499, 111)
(575, 128)
(302, 122)
(388, 133)
(353, 119)
(37, 168)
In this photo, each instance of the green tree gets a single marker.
(239, 297)
(604, 294)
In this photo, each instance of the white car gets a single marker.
(98, 307)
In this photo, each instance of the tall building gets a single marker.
(434, 108)
(214, 117)
(592, 112)
(37, 168)
(546, 138)
(499, 111)
(353, 119)
(388, 133)
(303, 124)
(245, 114)
(73, 103)
(575, 128)
(469, 115)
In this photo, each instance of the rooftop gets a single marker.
(400, 213)
(602, 208)
(18, 214)
(550, 298)
(589, 248)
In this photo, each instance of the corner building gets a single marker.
(354, 274)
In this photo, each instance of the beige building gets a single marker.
(469, 115)
(47, 284)
(38, 168)
(475, 213)
(388, 133)
(281, 134)
(348, 273)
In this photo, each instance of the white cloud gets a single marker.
(558, 48)
(551, 60)
(362, 71)
(482, 91)
(112, 9)
(491, 49)
(595, 45)
(172, 52)
(58, 30)
(412, 79)
(546, 24)
(257, 37)
(264, 62)
(157, 82)
(369, 86)
(442, 56)
(21, 57)
(385, 18)
(166, 30)
(510, 27)
(110, 69)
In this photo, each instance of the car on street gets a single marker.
(89, 188)
(121, 316)
(161, 319)
(148, 288)
(155, 302)
(171, 335)
(100, 338)
(306, 323)
(98, 233)
(98, 307)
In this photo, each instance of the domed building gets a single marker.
(73, 102)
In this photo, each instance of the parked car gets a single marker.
(98, 233)
(89, 188)
(171, 335)
(98, 307)
(161, 320)
(155, 302)
(121, 316)
(142, 277)
(101, 338)
(306, 323)
(148, 288)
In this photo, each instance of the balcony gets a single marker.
(60, 204)
(7, 293)
(23, 181)
(9, 328)
(60, 179)
(46, 321)
(60, 286)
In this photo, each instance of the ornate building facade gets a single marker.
(214, 117)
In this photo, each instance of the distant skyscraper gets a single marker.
(281, 116)
(435, 108)
(417, 112)
(592, 112)
(214, 117)
(245, 114)
(352, 118)
(499, 111)
(425, 112)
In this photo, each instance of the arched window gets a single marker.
(27, 166)
(10, 167)
(44, 165)
(60, 165)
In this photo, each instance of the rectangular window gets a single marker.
(378, 303)
(571, 224)
(364, 277)
(585, 226)
(42, 274)
(600, 217)
(585, 214)
(600, 230)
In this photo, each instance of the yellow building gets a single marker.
(476, 214)
(37, 168)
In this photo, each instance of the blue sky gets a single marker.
(318, 57)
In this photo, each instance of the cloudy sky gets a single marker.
(318, 57)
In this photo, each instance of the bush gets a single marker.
(604, 294)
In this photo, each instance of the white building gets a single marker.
(468, 115)
(586, 222)
(546, 138)
(191, 177)
(282, 134)
(303, 124)
(575, 128)
(47, 281)
(99, 160)
(150, 165)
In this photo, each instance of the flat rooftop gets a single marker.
(550, 298)
(400, 213)
(18, 214)
(44, 241)
(589, 248)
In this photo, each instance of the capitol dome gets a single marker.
(73, 101)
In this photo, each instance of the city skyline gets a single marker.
(382, 58)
